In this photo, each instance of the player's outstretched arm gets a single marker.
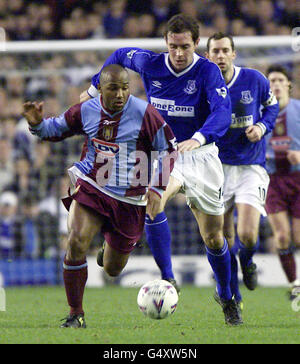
(33, 112)
(53, 128)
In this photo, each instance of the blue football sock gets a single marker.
(234, 283)
(159, 240)
(246, 254)
(219, 259)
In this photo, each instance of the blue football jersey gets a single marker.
(252, 103)
(193, 101)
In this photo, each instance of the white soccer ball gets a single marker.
(157, 299)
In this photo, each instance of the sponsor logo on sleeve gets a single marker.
(222, 92)
(131, 53)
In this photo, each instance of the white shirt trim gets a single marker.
(92, 91)
(199, 137)
(196, 58)
(235, 76)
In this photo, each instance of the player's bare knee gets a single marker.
(214, 241)
(248, 237)
(283, 239)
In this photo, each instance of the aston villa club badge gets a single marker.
(280, 129)
(108, 132)
(108, 129)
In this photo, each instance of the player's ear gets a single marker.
(197, 42)
(234, 54)
(206, 55)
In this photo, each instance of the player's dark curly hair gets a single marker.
(181, 23)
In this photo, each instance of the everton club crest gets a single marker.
(190, 87)
(246, 97)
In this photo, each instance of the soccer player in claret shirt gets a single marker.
(111, 179)
(190, 93)
(242, 152)
(283, 166)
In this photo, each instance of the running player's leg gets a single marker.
(211, 229)
(230, 236)
(83, 225)
(203, 189)
(248, 224)
(229, 228)
(159, 236)
(231, 183)
(247, 231)
(280, 224)
(114, 261)
(204, 192)
(296, 231)
(295, 289)
(250, 197)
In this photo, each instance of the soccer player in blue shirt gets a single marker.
(242, 152)
(190, 93)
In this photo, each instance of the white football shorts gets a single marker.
(246, 184)
(201, 175)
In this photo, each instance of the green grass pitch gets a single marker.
(33, 316)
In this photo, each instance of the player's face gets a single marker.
(181, 49)
(221, 53)
(115, 92)
(279, 83)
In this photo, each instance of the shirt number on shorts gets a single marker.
(262, 193)
(221, 192)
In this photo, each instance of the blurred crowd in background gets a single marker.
(33, 173)
(76, 19)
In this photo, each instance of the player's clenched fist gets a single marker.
(33, 112)
(254, 133)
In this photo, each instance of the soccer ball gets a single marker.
(157, 299)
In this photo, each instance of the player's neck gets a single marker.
(283, 101)
(178, 70)
(228, 75)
